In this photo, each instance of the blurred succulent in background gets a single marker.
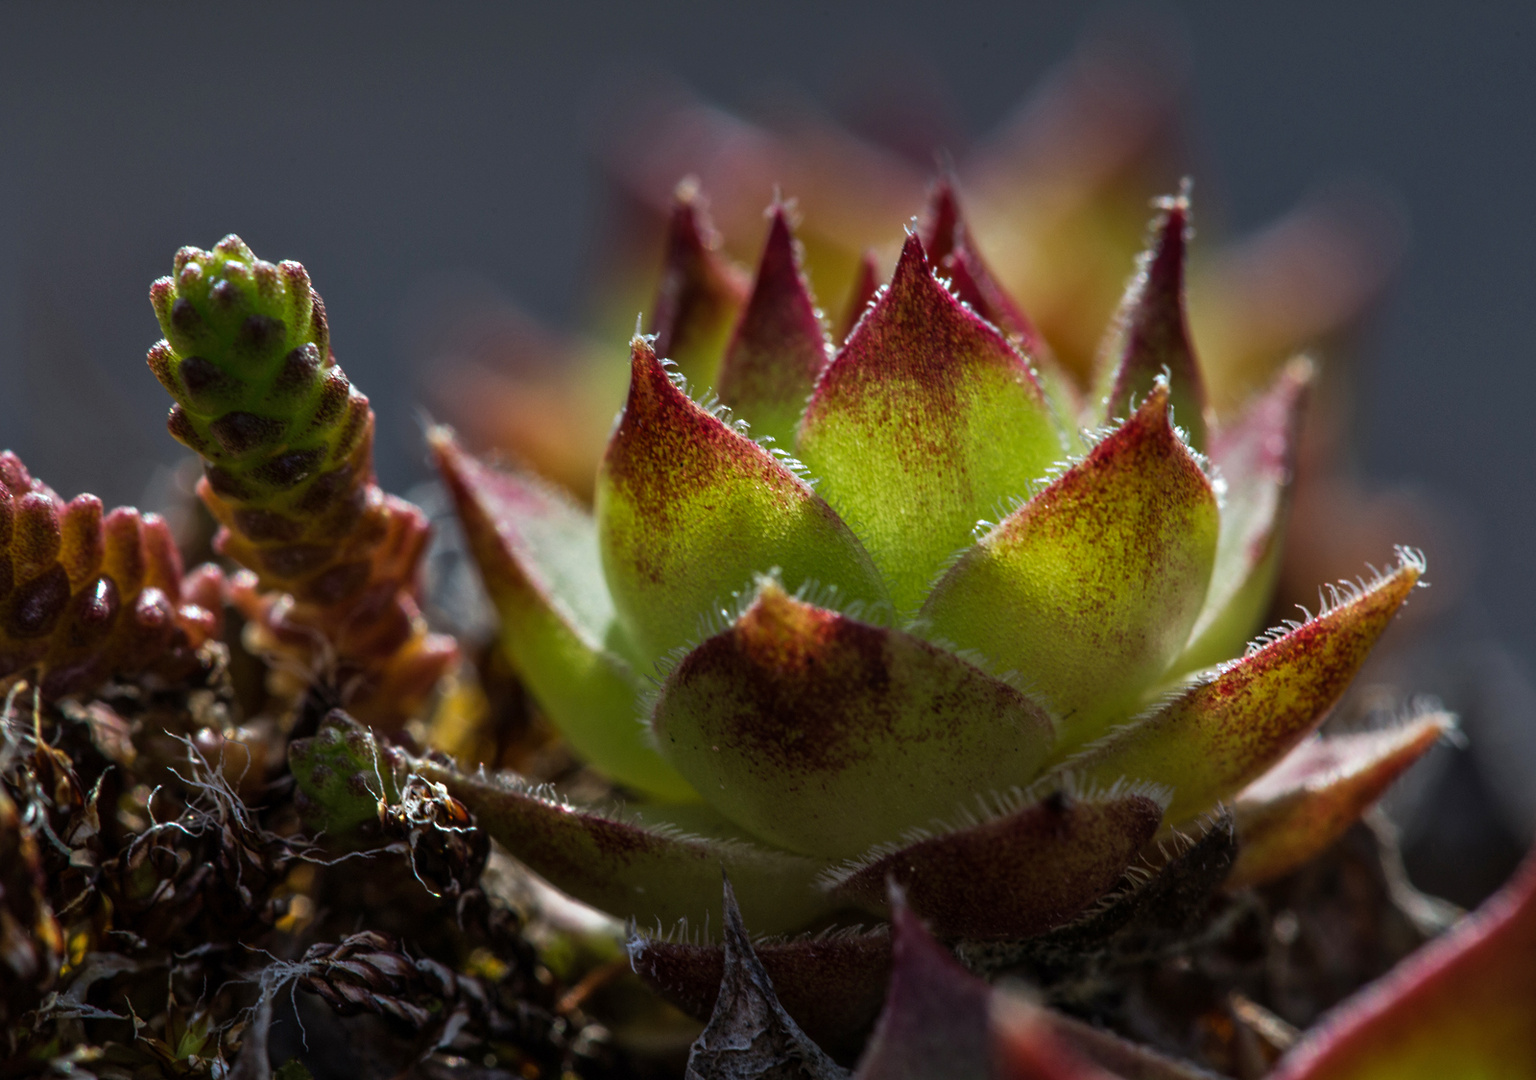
(87, 596)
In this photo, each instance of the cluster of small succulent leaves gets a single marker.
(87, 596)
(950, 618)
(331, 561)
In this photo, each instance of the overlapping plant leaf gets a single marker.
(1089, 590)
(1150, 335)
(1254, 459)
(926, 421)
(689, 510)
(1306, 802)
(655, 865)
(827, 735)
(778, 347)
(539, 558)
(1215, 738)
(1024, 870)
(700, 291)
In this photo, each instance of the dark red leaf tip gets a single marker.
(779, 345)
(1152, 330)
(700, 291)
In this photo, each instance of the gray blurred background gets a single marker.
(395, 147)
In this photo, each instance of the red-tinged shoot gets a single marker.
(951, 641)
(85, 596)
(287, 444)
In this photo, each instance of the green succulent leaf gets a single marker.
(1255, 458)
(1023, 871)
(778, 347)
(650, 864)
(1217, 737)
(538, 554)
(343, 776)
(827, 735)
(1306, 802)
(1150, 334)
(1089, 590)
(1462, 1006)
(926, 421)
(690, 510)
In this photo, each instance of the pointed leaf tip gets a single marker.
(700, 291)
(1305, 803)
(779, 346)
(750, 1035)
(676, 480)
(1089, 590)
(1150, 333)
(1220, 735)
(923, 422)
(947, 239)
(827, 735)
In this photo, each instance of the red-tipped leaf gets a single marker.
(1305, 803)
(690, 511)
(1151, 333)
(926, 421)
(1462, 1006)
(779, 346)
(700, 292)
(1089, 590)
(1214, 739)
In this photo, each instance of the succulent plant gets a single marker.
(287, 444)
(87, 595)
(982, 633)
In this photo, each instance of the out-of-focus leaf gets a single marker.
(1322, 787)
(1464, 1006)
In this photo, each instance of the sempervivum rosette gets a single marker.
(917, 608)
